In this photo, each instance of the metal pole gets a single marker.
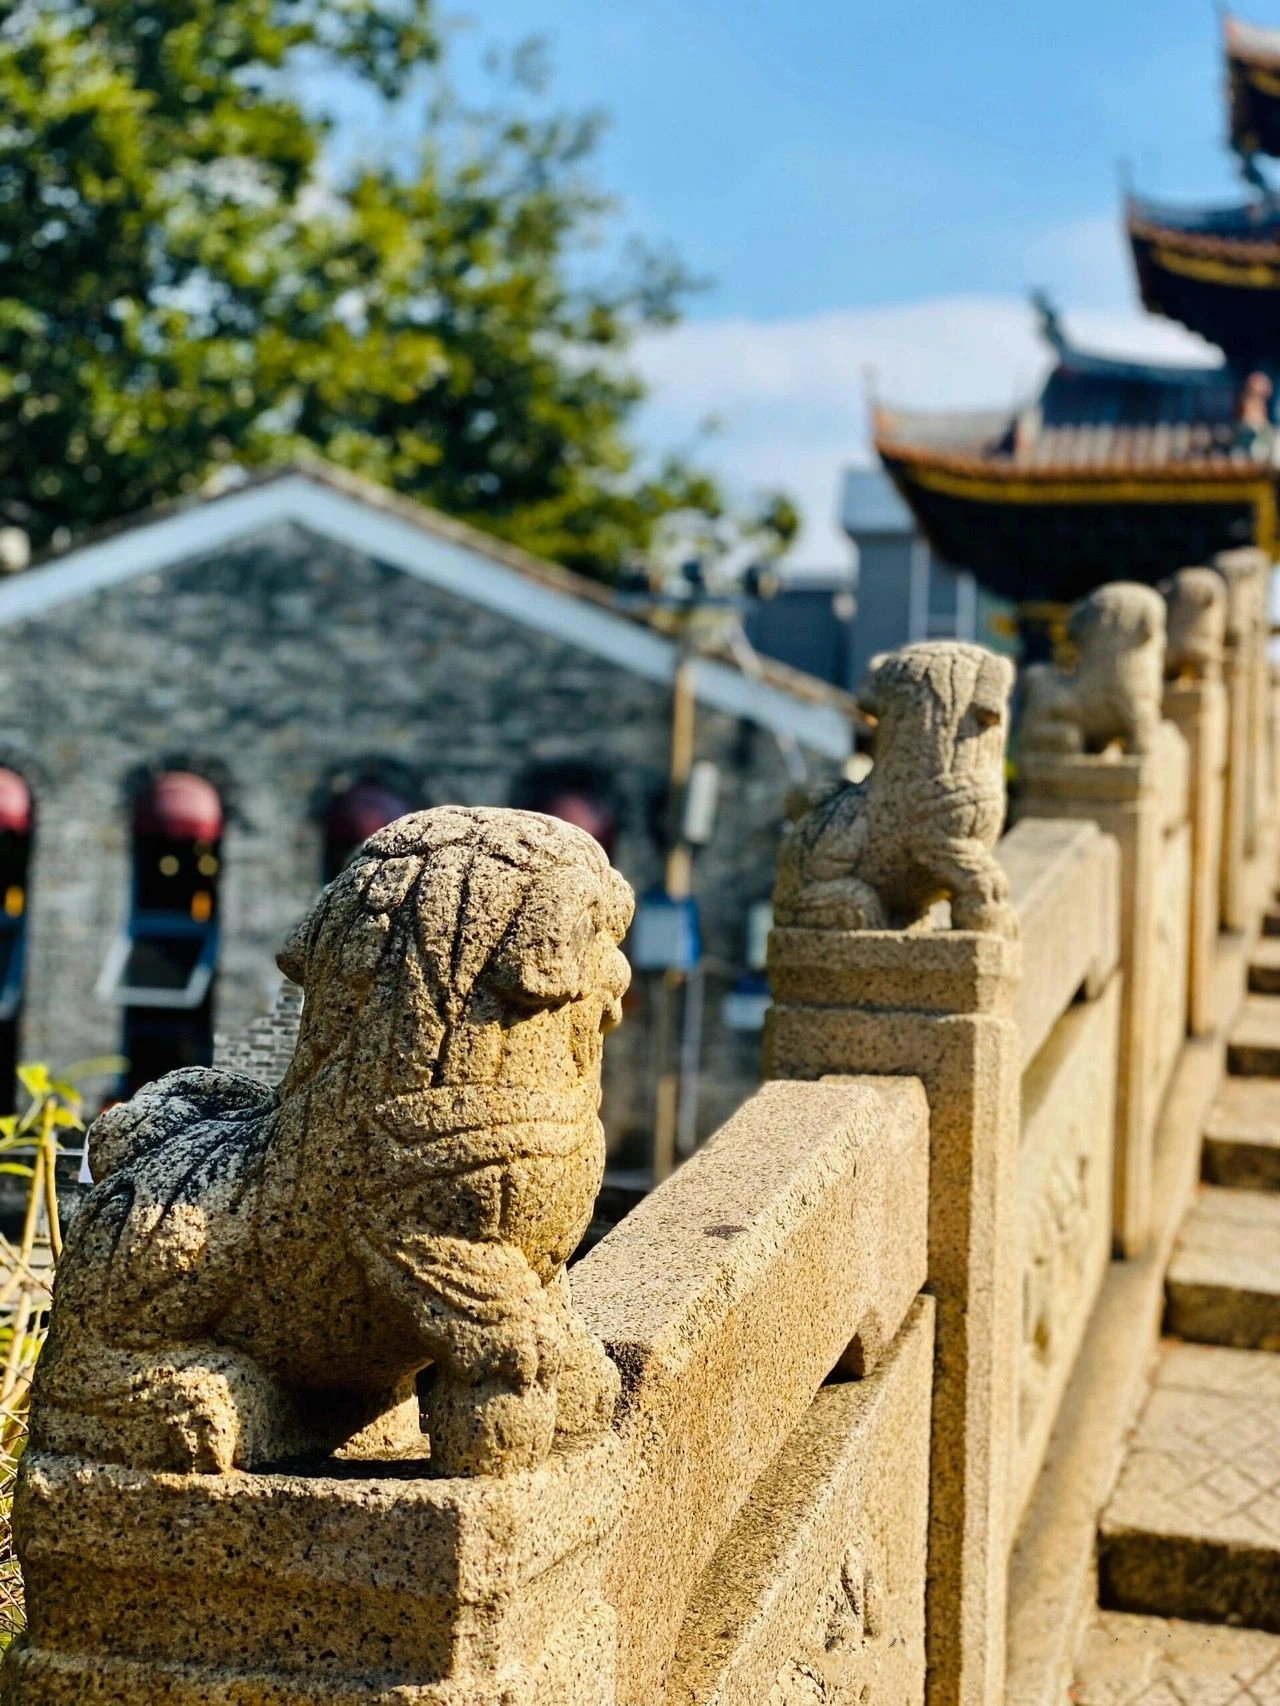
(679, 884)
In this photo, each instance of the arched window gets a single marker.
(577, 793)
(161, 970)
(16, 825)
(353, 816)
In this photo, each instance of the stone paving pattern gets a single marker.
(1145, 1661)
(1193, 1527)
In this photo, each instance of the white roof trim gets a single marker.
(429, 557)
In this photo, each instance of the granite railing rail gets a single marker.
(851, 1338)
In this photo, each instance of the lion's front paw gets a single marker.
(587, 1394)
(488, 1427)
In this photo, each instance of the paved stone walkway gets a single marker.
(1145, 1661)
(1223, 1285)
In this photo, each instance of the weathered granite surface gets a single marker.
(1193, 1527)
(816, 1597)
(251, 1288)
(878, 854)
(1197, 624)
(260, 1273)
(791, 1243)
(1113, 693)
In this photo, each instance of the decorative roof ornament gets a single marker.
(1051, 328)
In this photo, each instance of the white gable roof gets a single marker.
(457, 559)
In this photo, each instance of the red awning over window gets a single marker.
(15, 803)
(585, 813)
(181, 806)
(361, 812)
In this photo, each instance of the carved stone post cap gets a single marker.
(878, 855)
(1197, 601)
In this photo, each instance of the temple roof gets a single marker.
(1253, 74)
(1093, 412)
(1114, 462)
(1217, 270)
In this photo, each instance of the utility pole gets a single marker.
(679, 886)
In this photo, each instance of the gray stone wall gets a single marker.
(274, 668)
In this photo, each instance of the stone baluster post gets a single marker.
(1246, 573)
(1093, 745)
(235, 1487)
(859, 987)
(1195, 702)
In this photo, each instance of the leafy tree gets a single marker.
(188, 280)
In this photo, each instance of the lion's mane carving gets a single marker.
(876, 855)
(261, 1274)
(1115, 691)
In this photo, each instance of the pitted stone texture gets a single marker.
(1193, 1527)
(1064, 1218)
(1223, 1286)
(885, 1014)
(1114, 692)
(1264, 966)
(879, 854)
(1253, 1047)
(1197, 624)
(1197, 707)
(1064, 884)
(259, 1274)
(1143, 1661)
(375, 1587)
(1242, 1135)
(817, 1594)
(794, 1241)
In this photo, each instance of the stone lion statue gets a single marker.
(1197, 625)
(1115, 691)
(262, 1274)
(876, 855)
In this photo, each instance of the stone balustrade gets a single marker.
(326, 1420)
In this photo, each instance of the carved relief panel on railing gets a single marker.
(1064, 882)
(836, 1661)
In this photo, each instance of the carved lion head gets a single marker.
(450, 932)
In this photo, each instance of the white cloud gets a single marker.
(792, 394)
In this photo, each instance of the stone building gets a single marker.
(211, 705)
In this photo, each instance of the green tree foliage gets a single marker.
(189, 280)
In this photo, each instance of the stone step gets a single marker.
(1193, 1527)
(1223, 1284)
(1253, 1048)
(1242, 1135)
(1149, 1661)
(1264, 966)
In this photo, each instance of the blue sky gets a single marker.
(876, 184)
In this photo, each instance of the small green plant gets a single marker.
(31, 1143)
